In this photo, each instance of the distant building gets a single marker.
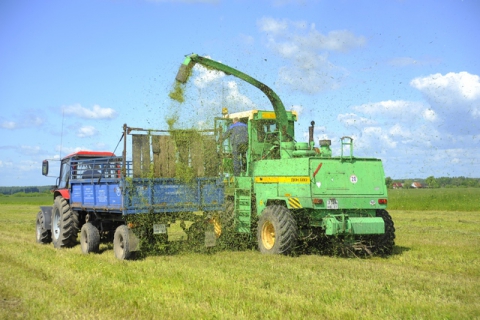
(397, 185)
(417, 185)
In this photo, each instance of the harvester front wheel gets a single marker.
(64, 224)
(121, 243)
(43, 236)
(89, 238)
(384, 243)
(277, 231)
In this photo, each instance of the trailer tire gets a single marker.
(44, 236)
(121, 243)
(383, 244)
(277, 231)
(89, 238)
(65, 224)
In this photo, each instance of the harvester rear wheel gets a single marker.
(89, 238)
(277, 231)
(121, 243)
(43, 236)
(65, 224)
(383, 244)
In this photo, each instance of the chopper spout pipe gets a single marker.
(184, 70)
(278, 107)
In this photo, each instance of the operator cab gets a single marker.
(71, 168)
(263, 134)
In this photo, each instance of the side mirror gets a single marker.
(45, 167)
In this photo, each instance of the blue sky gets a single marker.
(400, 77)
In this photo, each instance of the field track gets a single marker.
(433, 274)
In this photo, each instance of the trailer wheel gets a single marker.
(121, 243)
(64, 224)
(277, 231)
(383, 244)
(89, 238)
(43, 236)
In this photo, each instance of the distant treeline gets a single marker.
(432, 182)
(14, 190)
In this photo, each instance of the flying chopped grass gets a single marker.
(177, 92)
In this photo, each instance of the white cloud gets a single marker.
(29, 150)
(429, 115)
(449, 88)
(378, 138)
(298, 109)
(400, 131)
(272, 26)
(390, 107)
(8, 125)
(235, 98)
(27, 119)
(336, 40)
(96, 112)
(353, 120)
(454, 100)
(28, 165)
(206, 76)
(306, 51)
(86, 131)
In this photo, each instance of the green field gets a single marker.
(433, 274)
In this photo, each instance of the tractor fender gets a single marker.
(47, 217)
(65, 193)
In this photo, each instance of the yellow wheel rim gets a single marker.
(268, 235)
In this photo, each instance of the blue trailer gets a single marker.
(99, 194)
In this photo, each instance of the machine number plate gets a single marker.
(159, 229)
(332, 204)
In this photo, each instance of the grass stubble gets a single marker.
(433, 274)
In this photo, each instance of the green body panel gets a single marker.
(353, 225)
(355, 184)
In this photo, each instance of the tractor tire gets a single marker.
(121, 243)
(383, 244)
(89, 238)
(43, 236)
(65, 224)
(277, 231)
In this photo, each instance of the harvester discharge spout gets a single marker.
(184, 70)
(280, 113)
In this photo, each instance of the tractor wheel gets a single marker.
(383, 244)
(277, 231)
(89, 238)
(64, 224)
(43, 236)
(121, 243)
